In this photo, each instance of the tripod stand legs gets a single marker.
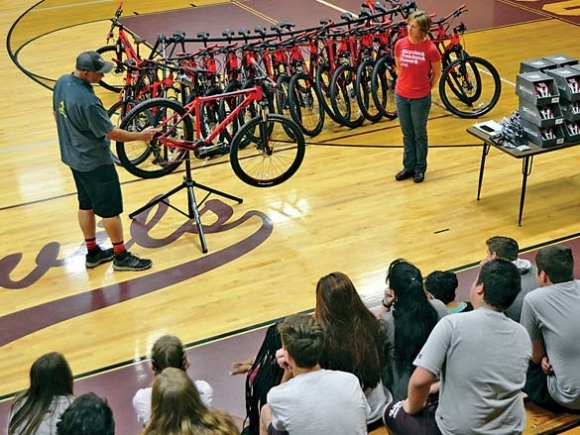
(192, 210)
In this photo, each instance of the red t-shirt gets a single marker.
(415, 67)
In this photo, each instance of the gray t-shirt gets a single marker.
(529, 282)
(482, 358)
(82, 123)
(553, 314)
(322, 402)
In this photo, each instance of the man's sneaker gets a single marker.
(131, 262)
(98, 256)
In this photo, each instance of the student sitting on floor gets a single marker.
(177, 409)
(168, 351)
(506, 248)
(312, 401)
(481, 357)
(551, 315)
(355, 339)
(37, 410)
(87, 415)
(442, 286)
(408, 325)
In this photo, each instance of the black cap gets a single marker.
(92, 61)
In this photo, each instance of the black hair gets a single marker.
(87, 415)
(442, 285)
(501, 283)
(557, 262)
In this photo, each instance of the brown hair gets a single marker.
(168, 351)
(423, 21)
(177, 409)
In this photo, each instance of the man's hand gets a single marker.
(281, 359)
(241, 367)
(149, 133)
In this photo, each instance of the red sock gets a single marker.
(119, 247)
(91, 244)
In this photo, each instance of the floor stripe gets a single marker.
(68, 6)
(27, 146)
(255, 12)
(337, 8)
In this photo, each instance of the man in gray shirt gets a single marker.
(507, 248)
(481, 357)
(551, 315)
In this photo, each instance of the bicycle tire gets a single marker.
(209, 113)
(343, 97)
(479, 83)
(383, 87)
(117, 113)
(305, 107)
(152, 159)
(363, 89)
(253, 110)
(272, 156)
(323, 79)
(114, 80)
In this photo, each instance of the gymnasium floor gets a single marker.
(31, 320)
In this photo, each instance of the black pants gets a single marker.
(536, 388)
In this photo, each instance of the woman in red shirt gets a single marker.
(419, 68)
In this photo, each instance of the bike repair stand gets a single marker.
(193, 207)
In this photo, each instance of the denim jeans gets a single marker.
(413, 115)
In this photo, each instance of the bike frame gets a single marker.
(250, 95)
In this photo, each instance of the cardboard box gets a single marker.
(570, 110)
(571, 132)
(539, 135)
(534, 65)
(561, 59)
(542, 116)
(568, 82)
(537, 88)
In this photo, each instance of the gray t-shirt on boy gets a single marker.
(482, 357)
(322, 402)
(553, 314)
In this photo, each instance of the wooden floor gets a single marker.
(342, 211)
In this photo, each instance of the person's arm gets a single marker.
(538, 351)
(120, 135)
(436, 74)
(418, 390)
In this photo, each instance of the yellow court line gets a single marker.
(255, 12)
(338, 8)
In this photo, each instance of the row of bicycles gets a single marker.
(255, 95)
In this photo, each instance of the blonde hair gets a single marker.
(176, 408)
(423, 21)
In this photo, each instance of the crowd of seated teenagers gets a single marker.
(397, 359)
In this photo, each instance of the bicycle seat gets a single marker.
(203, 35)
(178, 35)
(228, 33)
(381, 7)
(346, 16)
(245, 32)
(261, 30)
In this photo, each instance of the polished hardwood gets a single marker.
(540, 421)
(342, 211)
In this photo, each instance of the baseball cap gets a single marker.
(92, 61)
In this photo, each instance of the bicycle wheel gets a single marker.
(117, 113)
(343, 97)
(323, 79)
(305, 107)
(152, 159)
(383, 80)
(272, 155)
(114, 80)
(253, 109)
(209, 112)
(363, 88)
(479, 84)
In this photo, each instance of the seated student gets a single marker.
(37, 410)
(87, 415)
(313, 401)
(442, 286)
(506, 248)
(177, 408)
(168, 351)
(551, 315)
(481, 357)
(408, 324)
(355, 339)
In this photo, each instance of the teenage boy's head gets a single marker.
(556, 262)
(498, 283)
(303, 338)
(503, 247)
(87, 415)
